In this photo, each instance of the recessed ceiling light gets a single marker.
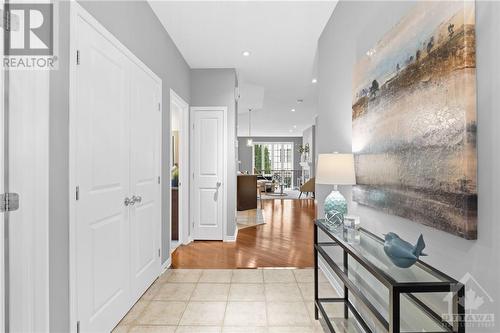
(294, 126)
(246, 53)
(290, 131)
(314, 80)
(293, 110)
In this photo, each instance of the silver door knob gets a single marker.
(219, 184)
(136, 198)
(128, 201)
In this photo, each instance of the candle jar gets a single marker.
(351, 226)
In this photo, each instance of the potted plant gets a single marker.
(304, 152)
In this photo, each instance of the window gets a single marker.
(275, 161)
(269, 157)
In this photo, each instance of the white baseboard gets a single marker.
(335, 284)
(166, 265)
(172, 249)
(232, 238)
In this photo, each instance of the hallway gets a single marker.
(284, 241)
(232, 301)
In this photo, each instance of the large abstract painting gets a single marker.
(414, 119)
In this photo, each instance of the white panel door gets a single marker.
(145, 140)
(102, 174)
(208, 173)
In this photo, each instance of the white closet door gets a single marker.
(102, 174)
(145, 140)
(208, 173)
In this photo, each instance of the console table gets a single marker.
(377, 295)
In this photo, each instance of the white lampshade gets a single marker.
(335, 169)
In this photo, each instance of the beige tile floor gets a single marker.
(228, 301)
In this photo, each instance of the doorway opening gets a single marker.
(178, 166)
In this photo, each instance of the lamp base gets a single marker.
(335, 209)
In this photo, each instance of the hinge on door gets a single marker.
(159, 255)
(78, 327)
(159, 106)
(158, 179)
(77, 193)
(78, 57)
(9, 202)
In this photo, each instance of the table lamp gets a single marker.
(335, 169)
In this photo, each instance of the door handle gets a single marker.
(128, 201)
(136, 198)
(216, 194)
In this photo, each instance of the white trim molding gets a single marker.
(233, 238)
(184, 188)
(166, 265)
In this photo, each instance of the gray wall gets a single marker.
(353, 29)
(216, 87)
(245, 153)
(138, 28)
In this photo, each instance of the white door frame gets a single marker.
(26, 132)
(225, 151)
(77, 11)
(183, 170)
(28, 175)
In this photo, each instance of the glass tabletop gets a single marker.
(371, 249)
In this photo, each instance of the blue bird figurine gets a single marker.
(402, 253)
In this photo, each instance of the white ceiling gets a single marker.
(282, 38)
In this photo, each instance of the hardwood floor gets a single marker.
(286, 240)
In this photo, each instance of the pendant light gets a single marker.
(249, 140)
